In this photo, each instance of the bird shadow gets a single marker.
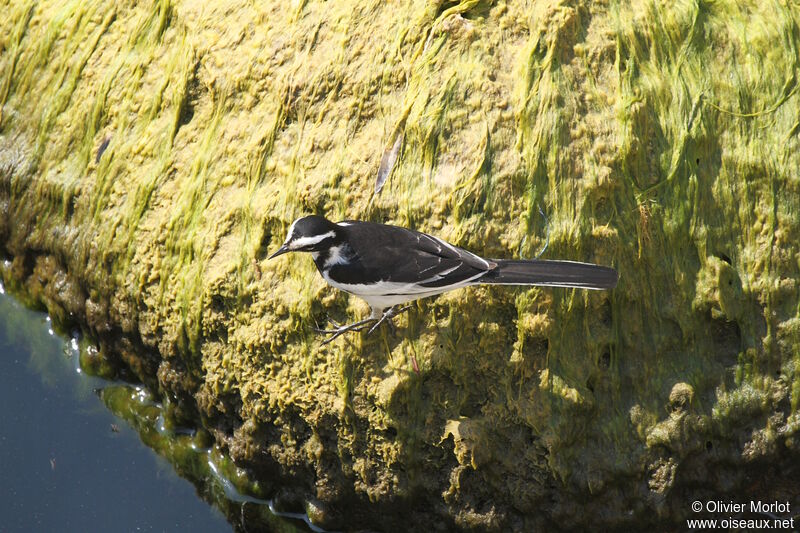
(418, 403)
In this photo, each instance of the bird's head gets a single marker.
(309, 234)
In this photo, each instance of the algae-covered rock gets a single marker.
(152, 153)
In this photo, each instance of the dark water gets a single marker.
(66, 462)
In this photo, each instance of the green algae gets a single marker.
(660, 139)
(188, 453)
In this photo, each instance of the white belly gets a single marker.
(385, 294)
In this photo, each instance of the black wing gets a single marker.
(380, 252)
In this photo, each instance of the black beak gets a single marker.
(282, 250)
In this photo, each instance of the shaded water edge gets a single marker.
(189, 451)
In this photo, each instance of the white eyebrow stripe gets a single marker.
(311, 240)
(291, 229)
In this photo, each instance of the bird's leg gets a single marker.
(388, 316)
(378, 316)
(344, 328)
(355, 326)
(402, 309)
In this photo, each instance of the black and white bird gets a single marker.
(388, 266)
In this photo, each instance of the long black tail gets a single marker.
(551, 273)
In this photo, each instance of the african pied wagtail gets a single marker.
(388, 265)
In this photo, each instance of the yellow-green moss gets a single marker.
(660, 138)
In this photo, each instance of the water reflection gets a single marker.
(72, 463)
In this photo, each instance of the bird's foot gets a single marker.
(388, 316)
(342, 329)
